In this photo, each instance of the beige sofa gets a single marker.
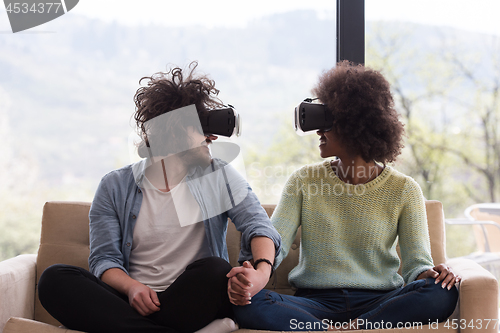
(65, 239)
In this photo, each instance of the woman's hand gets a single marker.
(246, 281)
(442, 273)
(143, 299)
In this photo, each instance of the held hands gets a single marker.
(143, 299)
(443, 274)
(246, 281)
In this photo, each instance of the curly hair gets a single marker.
(169, 91)
(365, 119)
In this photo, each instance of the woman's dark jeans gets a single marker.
(421, 301)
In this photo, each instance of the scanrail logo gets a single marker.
(26, 14)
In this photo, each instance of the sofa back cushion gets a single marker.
(437, 232)
(65, 239)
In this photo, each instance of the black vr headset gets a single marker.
(225, 122)
(312, 117)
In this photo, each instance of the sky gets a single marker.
(477, 15)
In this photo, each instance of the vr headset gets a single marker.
(312, 117)
(225, 122)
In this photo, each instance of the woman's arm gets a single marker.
(413, 233)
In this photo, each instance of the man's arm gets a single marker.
(286, 219)
(106, 260)
(246, 281)
(105, 230)
(247, 214)
(140, 297)
(263, 248)
(259, 239)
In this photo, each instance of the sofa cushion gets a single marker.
(22, 325)
(435, 220)
(65, 239)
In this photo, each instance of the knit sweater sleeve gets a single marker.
(287, 215)
(413, 233)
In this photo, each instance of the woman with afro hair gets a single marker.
(352, 211)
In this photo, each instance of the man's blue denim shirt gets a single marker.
(118, 199)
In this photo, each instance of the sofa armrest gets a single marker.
(478, 296)
(22, 325)
(17, 288)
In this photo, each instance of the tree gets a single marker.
(420, 84)
(478, 145)
(271, 167)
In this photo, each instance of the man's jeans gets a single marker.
(421, 301)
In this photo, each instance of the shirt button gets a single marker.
(128, 244)
(133, 216)
(139, 190)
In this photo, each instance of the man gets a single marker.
(158, 257)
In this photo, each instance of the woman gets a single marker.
(158, 258)
(352, 210)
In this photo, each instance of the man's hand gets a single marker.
(442, 273)
(245, 281)
(143, 299)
